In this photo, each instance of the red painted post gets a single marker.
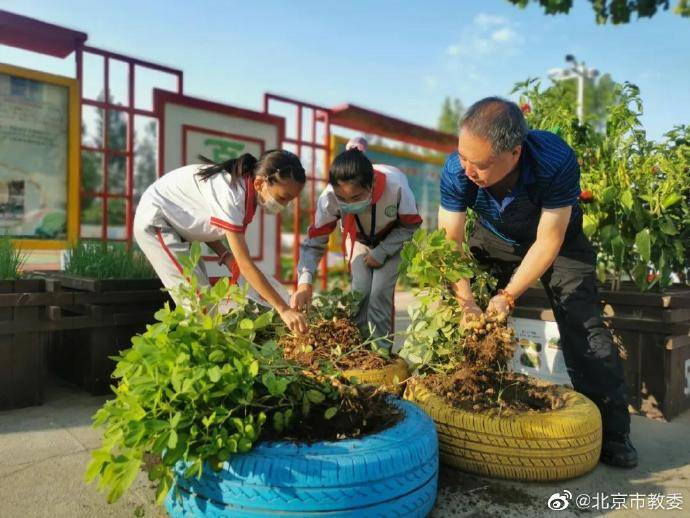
(326, 166)
(106, 120)
(129, 185)
(298, 204)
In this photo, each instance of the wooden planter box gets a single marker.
(654, 329)
(22, 343)
(98, 322)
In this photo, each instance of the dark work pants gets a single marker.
(590, 355)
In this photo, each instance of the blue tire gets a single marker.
(391, 473)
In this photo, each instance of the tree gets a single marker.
(145, 170)
(91, 166)
(599, 95)
(615, 11)
(451, 111)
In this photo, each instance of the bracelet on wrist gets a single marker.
(509, 298)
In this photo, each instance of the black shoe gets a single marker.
(617, 450)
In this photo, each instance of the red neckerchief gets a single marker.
(249, 201)
(249, 212)
(349, 224)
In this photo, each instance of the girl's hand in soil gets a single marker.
(301, 299)
(371, 262)
(296, 321)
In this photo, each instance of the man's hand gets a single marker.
(470, 313)
(301, 299)
(371, 262)
(498, 305)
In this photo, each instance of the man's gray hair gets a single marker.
(497, 120)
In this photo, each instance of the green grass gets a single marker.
(11, 260)
(99, 260)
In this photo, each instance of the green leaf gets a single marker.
(670, 200)
(172, 440)
(590, 223)
(247, 324)
(618, 249)
(214, 373)
(643, 243)
(98, 459)
(216, 356)
(668, 228)
(627, 199)
(244, 445)
(330, 412)
(254, 368)
(162, 490)
(263, 320)
(208, 322)
(609, 194)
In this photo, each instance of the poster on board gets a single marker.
(33, 158)
(191, 127)
(423, 174)
(538, 350)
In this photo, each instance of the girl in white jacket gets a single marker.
(378, 214)
(207, 203)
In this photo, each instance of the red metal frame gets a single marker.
(38, 36)
(319, 114)
(187, 128)
(130, 110)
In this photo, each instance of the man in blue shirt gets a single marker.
(524, 187)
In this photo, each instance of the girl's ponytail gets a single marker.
(239, 167)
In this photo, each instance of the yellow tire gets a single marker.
(555, 445)
(391, 376)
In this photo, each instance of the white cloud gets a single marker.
(453, 50)
(486, 20)
(506, 34)
(431, 82)
(487, 36)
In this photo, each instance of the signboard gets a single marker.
(219, 146)
(39, 158)
(423, 174)
(191, 127)
(538, 350)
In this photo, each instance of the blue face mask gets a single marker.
(355, 207)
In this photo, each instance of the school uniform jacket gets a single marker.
(396, 219)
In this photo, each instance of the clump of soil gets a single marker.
(364, 410)
(482, 381)
(337, 341)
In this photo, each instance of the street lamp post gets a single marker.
(580, 72)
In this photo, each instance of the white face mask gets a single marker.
(269, 203)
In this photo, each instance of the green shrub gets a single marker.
(101, 260)
(11, 260)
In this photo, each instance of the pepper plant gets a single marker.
(199, 387)
(638, 191)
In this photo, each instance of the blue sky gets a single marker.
(398, 57)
